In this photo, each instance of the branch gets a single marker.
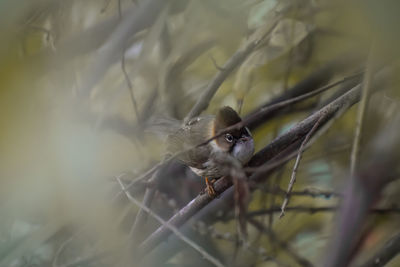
(310, 83)
(143, 176)
(297, 164)
(312, 210)
(196, 247)
(265, 112)
(310, 192)
(85, 41)
(171, 72)
(141, 216)
(130, 87)
(385, 254)
(182, 216)
(141, 18)
(298, 131)
(283, 245)
(260, 252)
(361, 111)
(237, 58)
(362, 191)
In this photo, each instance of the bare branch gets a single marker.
(195, 246)
(141, 216)
(312, 82)
(361, 111)
(362, 192)
(236, 59)
(106, 4)
(60, 249)
(297, 164)
(143, 176)
(182, 216)
(265, 111)
(215, 63)
(214, 233)
(311, 192)
(141, 17)
(385, 254)
(312, 210)
(284, 245)
(302, 128)
(130, 87)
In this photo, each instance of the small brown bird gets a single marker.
(238, 143)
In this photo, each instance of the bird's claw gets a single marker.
(210, 189)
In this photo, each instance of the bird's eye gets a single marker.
(229, 138)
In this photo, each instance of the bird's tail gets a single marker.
(163, 126)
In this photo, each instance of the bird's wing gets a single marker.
(189, 136)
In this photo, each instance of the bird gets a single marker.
(237, 143)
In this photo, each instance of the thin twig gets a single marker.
(336, 108)
(363, 191)
(91, 259)
(174, 67)
(143, 176)
(333, 150)
(218, 67)
(277, 181)
(265, 168)
(42, 29)
(61, 248)
(229, 237)
(139, 18)
(237, 58)
(119, 9)
(297, 164)
(310, 192)
(268, 109)
(130, 87)
(106, 4)
(195, 246)
(141, 216)
(283, 245)
(312, 210)
(366, 85)
(313, 81)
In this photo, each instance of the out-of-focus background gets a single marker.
(86, 85)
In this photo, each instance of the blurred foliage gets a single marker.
(61, 147)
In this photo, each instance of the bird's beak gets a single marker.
(245, 138)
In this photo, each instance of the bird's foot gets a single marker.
(210, 189)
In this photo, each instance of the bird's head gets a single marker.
(238, 142)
